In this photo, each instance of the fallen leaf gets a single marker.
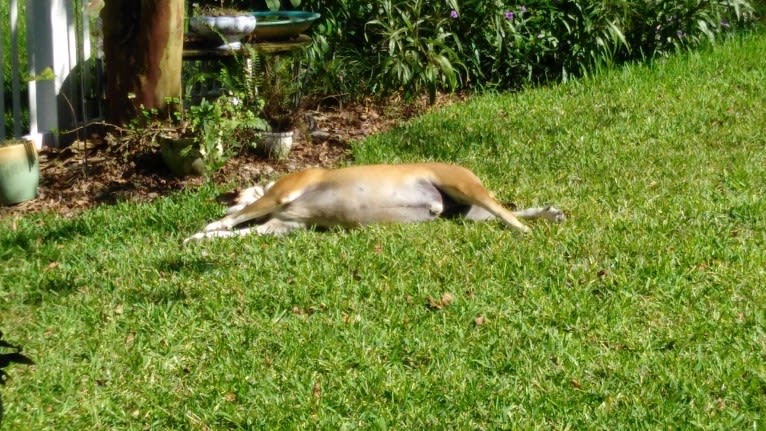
(230, 397)
(434, 304)
(130, 339)
(348, 318)
(447, 299)
(480, 320)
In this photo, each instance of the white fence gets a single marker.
(61, 86)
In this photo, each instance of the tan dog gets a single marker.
(361, 195)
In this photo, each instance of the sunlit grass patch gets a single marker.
(644, 310)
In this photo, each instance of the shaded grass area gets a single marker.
(645, 310)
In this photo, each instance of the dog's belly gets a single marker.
(363, 202)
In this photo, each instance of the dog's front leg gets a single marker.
(273, 227)
(200, 236)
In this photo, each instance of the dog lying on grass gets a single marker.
(360, 195)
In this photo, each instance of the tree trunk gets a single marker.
(143, 48)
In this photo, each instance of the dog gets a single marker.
(360, 195)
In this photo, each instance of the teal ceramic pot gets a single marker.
(282, 25)
(19, 172)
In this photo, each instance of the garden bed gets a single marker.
(93, 172)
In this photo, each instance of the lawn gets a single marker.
(645, 310)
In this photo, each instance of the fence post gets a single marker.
(50, 44)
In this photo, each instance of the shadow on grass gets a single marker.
(174, 271)
(6, 359)
(165, 294)
(183, 263)
(31, 239)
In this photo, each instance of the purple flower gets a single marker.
(453, 14)
(509, 15)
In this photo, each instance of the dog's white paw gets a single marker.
(553, 214)
(199, 236)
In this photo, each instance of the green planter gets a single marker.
(19, 172)
(181, 156)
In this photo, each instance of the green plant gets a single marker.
(417, 50)
(338, 60)
(280, 91)
(218, 8)
(217, 129)
(275, 5)
(8, 60)
(657, 28)
(417, 46)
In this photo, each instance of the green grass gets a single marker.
(646, 310)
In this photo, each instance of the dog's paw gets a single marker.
(553, 214)
(199, 236)
(203, 235)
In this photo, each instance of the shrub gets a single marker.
(364, 47)
(339, 61)
(415, 49)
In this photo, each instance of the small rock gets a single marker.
(320, 135)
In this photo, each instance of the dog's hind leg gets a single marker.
(277, 227)
(547, 212)
(473, 193)
(465, 188)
